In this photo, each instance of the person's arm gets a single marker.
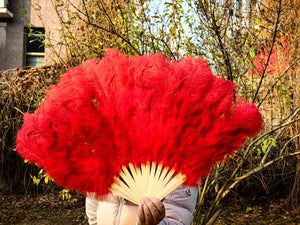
(91, 206)
(180, 206)
(176, 209)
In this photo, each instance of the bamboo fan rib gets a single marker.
(149, 179)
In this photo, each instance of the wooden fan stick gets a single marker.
(152, 177)
(128, 190)
(156, 178)
(125, 190)
(173, 184)
(121, 191)
(164, 178)
(149, 179)
(139, 183)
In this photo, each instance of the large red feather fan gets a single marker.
(121, 111)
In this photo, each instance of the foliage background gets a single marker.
(255, 44)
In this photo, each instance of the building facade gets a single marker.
(23, 25)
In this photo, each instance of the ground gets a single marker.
(42, 210)
(260, 216)
(50, 209)
(261, 211)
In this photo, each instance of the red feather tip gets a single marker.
(118, 110)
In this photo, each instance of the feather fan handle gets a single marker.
(149, 179)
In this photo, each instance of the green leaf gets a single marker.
(248, 209)
(273, 142)
(264, 148)
(259, 142)
(37, 181)
(265, 145)
(252, 53)
(258, 152)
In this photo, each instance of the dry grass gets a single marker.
(21, 92)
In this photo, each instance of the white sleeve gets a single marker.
(180, 206)
(91, 205)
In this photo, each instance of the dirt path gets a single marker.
(50, 210)
(42, 210)
(263, 218)
(268, 213)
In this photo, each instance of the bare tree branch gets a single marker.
(270, 52)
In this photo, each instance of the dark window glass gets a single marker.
(34, 40)
(34, 46)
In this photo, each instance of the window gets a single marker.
(34, 46)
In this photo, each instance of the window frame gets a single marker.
(28, 32)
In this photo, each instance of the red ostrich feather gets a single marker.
(110, 113)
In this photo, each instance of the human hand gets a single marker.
(151, 211)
